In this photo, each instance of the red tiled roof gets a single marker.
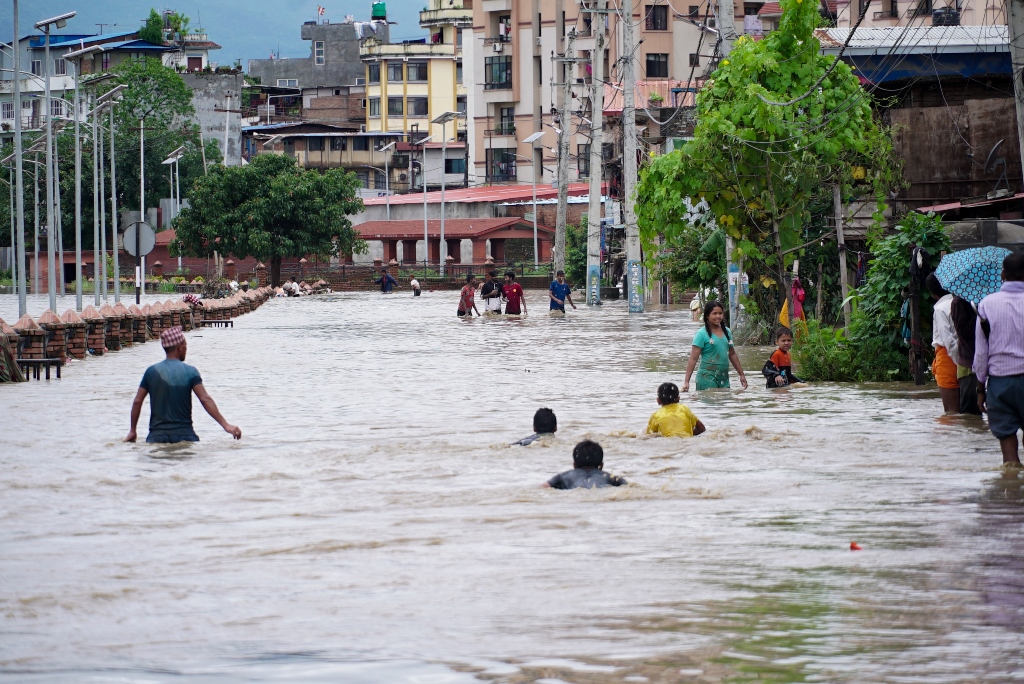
(770, 9)
(487, 193)
(453, 228)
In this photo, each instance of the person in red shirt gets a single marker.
(779, 368)
(466, 304)
(513, 294)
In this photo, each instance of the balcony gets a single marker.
(504, 128)
(893, 13)
(461, 17)
(375, 49)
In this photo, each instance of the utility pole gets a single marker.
(596, 138)
(564, 131)
(837, 205)
(1016, 10)
(727, 27)
(634, 267)
(19, 178)
(113, 211)
(95, 204)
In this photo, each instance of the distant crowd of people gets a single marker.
(509, 295)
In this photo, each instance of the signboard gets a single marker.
(146, 237)
(594, 284)
(635, 278)
(737, 278)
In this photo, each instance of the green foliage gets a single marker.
(179, 23)
(694, 255)
(576, 254)
(167, 286)
(153, 30)
(760, 166)
(153, 92)
(874, 349)
(270, 209)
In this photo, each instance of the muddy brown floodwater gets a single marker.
(374, 526)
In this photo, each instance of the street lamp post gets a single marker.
(443, 119)
(387, 177)
(529, 141)
(423, 181)
(113, 210)
(172, 164)
(60, 22)
(19, 179)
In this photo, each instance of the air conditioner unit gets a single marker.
(362, 128)
(498, 47)
(361, 81)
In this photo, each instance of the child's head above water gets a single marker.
(784, 338)
(587, 454)
(544, 421)
(668, 393)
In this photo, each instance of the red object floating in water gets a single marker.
(854, 546)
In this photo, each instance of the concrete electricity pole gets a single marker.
(634, 268)
(596, 138)
(1016, 9)
(726, 27)
(564, 130)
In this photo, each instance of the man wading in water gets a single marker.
(171, 384)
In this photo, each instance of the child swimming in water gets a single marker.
(673, 419)
(779, 368)
(545, 424)
(587, 461)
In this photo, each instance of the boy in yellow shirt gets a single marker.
(673, 419)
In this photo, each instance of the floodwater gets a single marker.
(373, 525)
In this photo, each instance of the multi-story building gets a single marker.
(921, 13)
(411, 84)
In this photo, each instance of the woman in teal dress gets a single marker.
(714, 347)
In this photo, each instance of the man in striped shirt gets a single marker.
(999, 358)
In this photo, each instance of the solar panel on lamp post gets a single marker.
(443, 119)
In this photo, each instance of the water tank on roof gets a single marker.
(946, 16)
(379, 10)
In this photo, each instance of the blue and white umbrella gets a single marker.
(973, 274)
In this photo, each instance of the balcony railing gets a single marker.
(501, 129)
(893, 13)
(461, 17)
(491, 40)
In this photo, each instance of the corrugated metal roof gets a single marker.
(491, 193)
(915, 39)
(453, 228)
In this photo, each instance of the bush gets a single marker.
(827, 354)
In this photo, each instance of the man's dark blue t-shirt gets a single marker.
(170, 384)
(386, 282)
(560, 291)
(587, 478)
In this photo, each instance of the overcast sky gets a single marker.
(245, 29)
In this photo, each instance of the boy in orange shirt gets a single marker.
(779, 368)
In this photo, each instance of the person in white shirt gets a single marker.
(415, 285)
(945, 342)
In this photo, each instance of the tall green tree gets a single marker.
(270, 209)
(153, 30)
(777, 124)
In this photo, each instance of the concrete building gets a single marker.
(410, 84)
(921, 13)
(333, 60)
(215, 98)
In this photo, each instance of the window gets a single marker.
(505, 28)
(105, 61)
(289, 147)
(288, 82)
(694, 11)
(374, 107)
(318, 52)
(60, 67)
(394, 106)
(418, 106)
(362, 103)
(56, 108)
(337, 144)
(501, 165)
(498, 73)
(583, 160)
(364, 177)
(7, 111)
(458, 72)
(361, 144)
(657, 65)
(373, 73)
(694, 59)
(657, 18)
(379, 182)
(315, 144)
(417, 71)
(455, 165)
(506, 121)
(750, 9)
(395, 71)
(37, 67)
(460, 105)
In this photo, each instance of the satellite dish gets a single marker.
(993, 161)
